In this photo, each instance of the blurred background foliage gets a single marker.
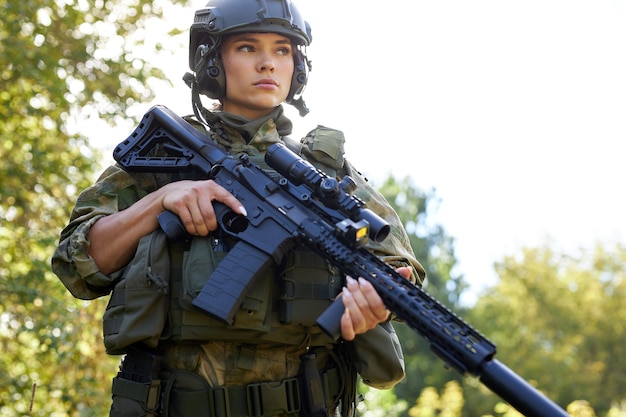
(557, 319)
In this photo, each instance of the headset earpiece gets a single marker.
(300, 75)
(209, 72)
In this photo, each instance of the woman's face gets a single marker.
(258, 68)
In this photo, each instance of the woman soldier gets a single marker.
(273, 360)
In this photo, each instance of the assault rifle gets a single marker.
(305, 206)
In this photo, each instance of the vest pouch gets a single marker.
(138, 306)
(324, 146)
(185, 394)
(308, 285)
(198, 264)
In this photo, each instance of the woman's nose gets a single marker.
(266, 63)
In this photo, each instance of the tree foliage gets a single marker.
(61, 61)
(434, 248)
(558, 321)
(431, 404)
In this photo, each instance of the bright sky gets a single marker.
(513, 111)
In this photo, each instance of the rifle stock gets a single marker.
(307, 207)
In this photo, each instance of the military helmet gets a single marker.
(224, 17)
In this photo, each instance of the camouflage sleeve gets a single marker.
(396, 249)
(114, 191)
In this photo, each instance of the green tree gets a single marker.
(431, 404)
(558, 321)
(61, 61)
(380, 403)
(434, 248)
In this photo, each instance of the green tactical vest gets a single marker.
(152, 301)
(283, 304)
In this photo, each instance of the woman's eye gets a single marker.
(284, 51)
(246, 48)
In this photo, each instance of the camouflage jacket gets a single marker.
(117, 189)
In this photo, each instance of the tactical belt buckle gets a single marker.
(269, 398)
(219, 402)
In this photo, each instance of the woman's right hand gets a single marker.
(192, 201)
(114, 238)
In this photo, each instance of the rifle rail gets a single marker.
(287, 211)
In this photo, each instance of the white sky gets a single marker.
(514, 111)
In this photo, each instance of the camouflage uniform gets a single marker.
(270, 351)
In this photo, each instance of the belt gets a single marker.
(253, 400)
(260, 399)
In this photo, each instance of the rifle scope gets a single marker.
(332, 193)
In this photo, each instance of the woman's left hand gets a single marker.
(364, 308)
